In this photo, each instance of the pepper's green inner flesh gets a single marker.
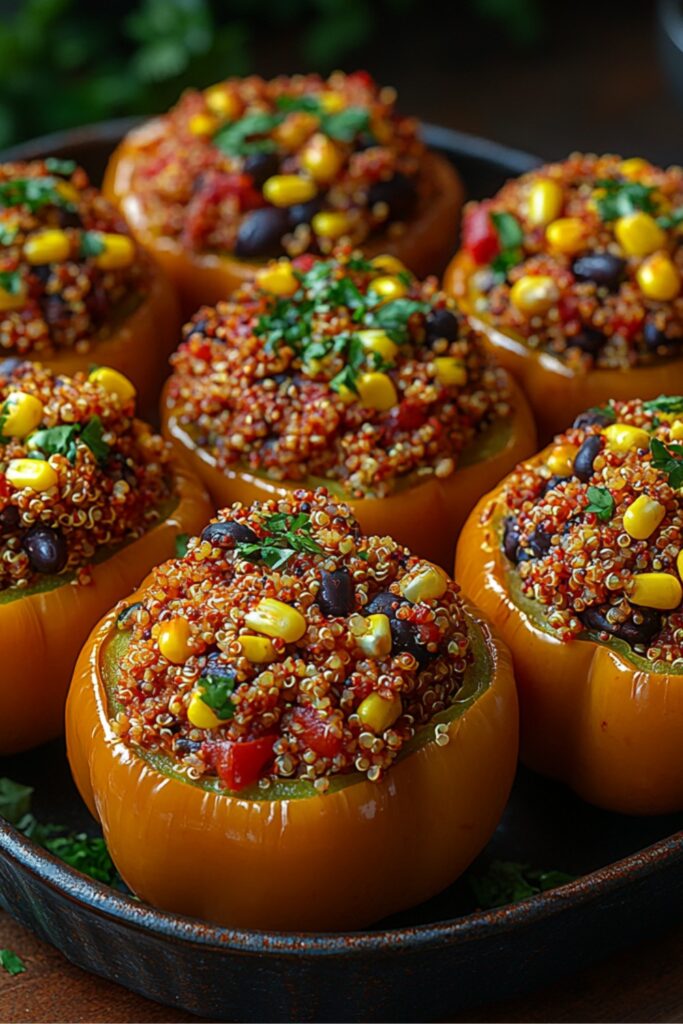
(476, 681)
(535, 611)
(52, 582)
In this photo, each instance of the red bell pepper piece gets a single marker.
(316, 734)
(240, 764)
(479, 235)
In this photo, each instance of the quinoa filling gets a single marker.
(79, 474)
(287, 646)
(69, 269)
(582, 259)
(340, 369)
(258, 168)
(594, 535)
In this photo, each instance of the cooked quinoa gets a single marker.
(69, 270)
(78, 474)
(353, 373)
(595, 533)
(583, 259)
(285, 645)
(259, 168)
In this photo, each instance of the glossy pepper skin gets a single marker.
(590, 716)
(48, 629)
(206, 278)
(317, 862)
(425, 518)
(557, 393)
(138, 346)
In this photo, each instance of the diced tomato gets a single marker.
(362, 78)
(240, 764)
(316, 733)
(200, 349)
(4, 486)
(479, 235)
(304, 262)
(411, 415)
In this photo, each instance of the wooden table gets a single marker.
(642, 984)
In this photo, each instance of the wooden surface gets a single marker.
(642, 984)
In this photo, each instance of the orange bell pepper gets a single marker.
(205, 278)
(299, 860)
(593, 715)
(45, 627)
(557, 393)
(425, 518)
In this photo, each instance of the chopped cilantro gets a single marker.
(671, 220)
(10, 281)
(91, 243)
(509, 230)
(92, 434)
(33, 193)
(342, 125)
(248, 135)
(620, 198)
(294, 104)
(8, 232)
(63, 440)
(11, 962)
(601, 502)
(287, 535)
(393, 317)
(217, 690)
(665, 403)
(669, 458)
(15, 800)
(87, 854)
(181, 541)
(63, 167)
(507, 881)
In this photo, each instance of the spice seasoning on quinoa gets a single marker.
(595, 533)
(323, 662)
(78, 474)
(261, 168)
(582, 259)
(68, 266)
(342, 369)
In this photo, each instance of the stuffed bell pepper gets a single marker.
(90, 500)
(352, 373)
(573, 272)
(295, 726)
(251, 169)
(578, 558)
(75, 288)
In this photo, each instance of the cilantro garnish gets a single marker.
(217, 690)
(181, 541)
(63, 167)
(93, 435)
(671, 220)
(11, 962)
(241, 138)
(511, 237)
(33, 193)
(91, 243)
(8, 232)
(507, 881)
(10, 281)
(393, 317)
(63, 440)
(342, 125)
(601, 502)
(669, 458)
(621, 198)
(287, 535)
(15, 800)
(665, 403)
(250, 133)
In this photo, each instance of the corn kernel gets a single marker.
(330, 223)
(199, 714)
(642, 517)
(566, 234)
(424, 583)
(278, 278)
(48, 246)
(655, 590)
(12, 300)
(373, 635)
(622, 437)
(376, 391)
(676, 430)
(174, 640)
(449, 371)
(258, 649)
(545, 202)
(679, 563)
(21, 414)
(321, 158)
(276, 619)
(288, 189)
(34, 473)
(346, 394)
(658, 278)
(378, 341)
(379, 713)
(332, 102)
(561, 460)
(119, 251)
(113, 382)
(633, 168)
(202, 124)
(68, 192)
(534, 294)
(388, 288)
(391, 264)
(222, 102)
(639, 234)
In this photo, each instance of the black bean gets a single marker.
(586, 455)
(537, 546)
(384, 603)
(441, 323)
(68, 218)
(122, 470)
(588, 341)
(602, 268)
(404, 635)
(366, 140)
(593, 417)
(399, 194)
(53, 308)
(183, 745)
(511, 538)
(9, 519)
(336, 594)
(260, 233)
(303, 213)
(46, 549)
(217, 668)
(552, 483)
(656, 339)
(261, 166)
(43, 271)
(641, 632)
(227, 534)
(124, 619)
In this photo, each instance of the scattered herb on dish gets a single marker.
(15, 800)
(507, 881)
(11, 962)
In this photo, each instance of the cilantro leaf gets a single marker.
(665, 403)
(671, 220)
(505, 261)
(241, 138)
(15, 800)
(509, 230)
(393, 317)
(11, 962)
(58, 166)
(294, 104)
(620, 198)
(507, 881)
(91, 243)
(92, 434)
(85, 853)
(217, 690)
(601, 502)
(62, 440)
(10, 281)
(8, 232)
(346, 124)
(287, 535)
(669, 458)
(181, 540)
(33, 193)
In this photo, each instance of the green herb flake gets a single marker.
(393, 317)
(216, 694)
(92, 243)
(346, 124)
(507, 881)
(181, 542)
(57, 166)
(509, 230)
(621, 198)
(8, 232)
(15, 800)
(248, 135)
(601, 502)
(92, 434)
(671, 404)
(11, 282)
(671, 220)
(85, 853)
(669, 458)
(11, 962)
(287, 535)
(63, 440)
(34, 193)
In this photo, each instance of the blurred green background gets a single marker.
(542, 76)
